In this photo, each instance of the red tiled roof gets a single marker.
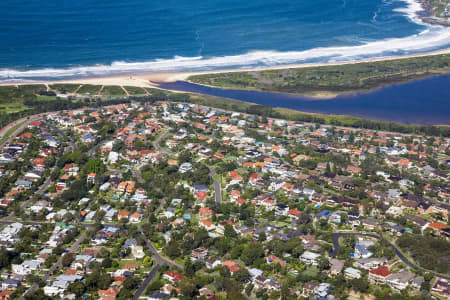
(381, 271)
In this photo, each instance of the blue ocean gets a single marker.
(59, 39)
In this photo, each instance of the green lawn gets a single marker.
(89, 89)
(65, 88)
(113, 90)
(134, 90)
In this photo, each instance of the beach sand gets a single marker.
(152, 79)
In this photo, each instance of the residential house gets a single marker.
(379, 275)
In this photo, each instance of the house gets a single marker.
(91, 177)
(293, 213)
(322, 290)
(6, 294)
(23, 183)
(352, 273)
(369, 223)
(136, 217)
(400, 281)
(212, 263)
(272, 259)
(10, 284)
(336, 266)
(205, 213)
(34, 124)
(394, 211)
(369, 263)
(361, 248)
(308, 288)
(81, 261)
(310, 258)
(122, 215)
(379, 275)
(231, 265)
(109, 294)
(137, 252)
(158, 296)
(26, 267)
(185, 167)
(441, 288)
(173, 276)
(208, 225)
(199, 254)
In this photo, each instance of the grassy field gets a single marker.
(89, 89)
(13, 98)
(113, 90)
(331, 80)
(65, 88)
(134, 90)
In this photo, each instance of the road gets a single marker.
(160, 260)
(217, 187)
(161, 137)
(92, 150)
(39, 192)
(48, 181)
(5, 129)
(146, 281)
(63, 134)
(397, 251)
(58, 263)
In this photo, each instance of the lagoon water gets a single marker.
(425, 102)
(59, 39)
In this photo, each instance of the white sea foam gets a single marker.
(431, 38)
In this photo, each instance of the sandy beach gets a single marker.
(152, 79)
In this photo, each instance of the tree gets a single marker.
(189, 268)
(229, 231)
(323, 263)
(251, 252)
(172, 249)
(78, 288)
(262, 236)
(360, 284)
(188, 288)
(235, 295)
(95, 165)
(67, 259)
(131, 283)
(241, 275)
(284, 291)
(107, 263)
(248, 289)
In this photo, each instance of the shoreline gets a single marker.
(155, 79)
(151, 79)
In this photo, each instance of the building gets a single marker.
(310, 258)
(379, 275)
(352, 273)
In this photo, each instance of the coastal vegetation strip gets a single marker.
(331, 79)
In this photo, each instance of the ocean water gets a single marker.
(59, 39)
